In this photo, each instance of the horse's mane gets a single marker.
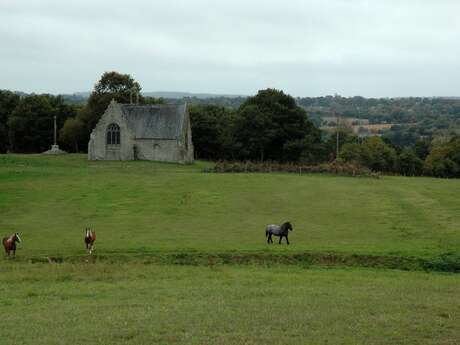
(286, 225)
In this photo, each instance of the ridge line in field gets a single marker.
(442, 263)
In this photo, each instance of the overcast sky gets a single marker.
(371, 48)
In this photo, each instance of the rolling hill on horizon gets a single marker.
(171, 94)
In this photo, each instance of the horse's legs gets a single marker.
(281, 237)
(271, 238)
(287, 239)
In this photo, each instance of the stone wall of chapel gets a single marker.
(130, 148)
(98, 148)
(157, 150)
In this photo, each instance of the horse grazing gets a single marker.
(279, 231)
(10, 243)
(90, 238)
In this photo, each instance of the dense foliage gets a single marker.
(437, 112)
(26, 122)
(8, 102)
(212, 128)
(112, 85)
(413, 117)
(268, 127)
(336, 167)
(373, 153)
(444, 159)
(271, 127)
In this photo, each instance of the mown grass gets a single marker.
(150, 304)
(227, 286)
(146, 207)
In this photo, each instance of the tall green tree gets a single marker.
(409, 163)
(270, 126)
(444, 159)
(422, 148)
(112, 85)
(373, 153)
(8, 102)
(346, 136)
(211, 127)
(73, 134)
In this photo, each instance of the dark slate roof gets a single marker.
(162, 121)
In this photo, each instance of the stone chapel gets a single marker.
(159, 132)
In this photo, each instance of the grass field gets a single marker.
(229, 290)
(133, 303)
(151, 207)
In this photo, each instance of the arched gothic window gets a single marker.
(113, 134)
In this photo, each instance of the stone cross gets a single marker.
(55, 148)
(55, 131)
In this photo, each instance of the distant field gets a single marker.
(145, 207)
(89, 304)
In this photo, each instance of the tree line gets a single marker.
(270, 126)
(253, 134)
(26, 122)
(414, 117)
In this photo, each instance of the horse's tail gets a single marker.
(266, 232)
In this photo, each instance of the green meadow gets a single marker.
(181, 256)
(47, 304)
(145, 207)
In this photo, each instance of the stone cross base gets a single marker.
(54, 151)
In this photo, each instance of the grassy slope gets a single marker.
(147, 304)
(144, 207)
(150, 207)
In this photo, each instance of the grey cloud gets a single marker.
(351, 47)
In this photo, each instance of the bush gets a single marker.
(373, 153)
(444, 159)
(339, 168)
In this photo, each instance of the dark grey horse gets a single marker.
(279, 231)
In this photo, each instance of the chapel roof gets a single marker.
(159, 121)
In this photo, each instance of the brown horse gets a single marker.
(10, 243)
(90, 238)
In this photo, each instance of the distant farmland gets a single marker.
(358, 126)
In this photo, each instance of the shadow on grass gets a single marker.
(448, 262)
